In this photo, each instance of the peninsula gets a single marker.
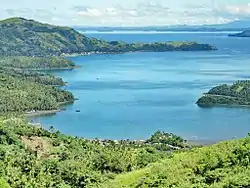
(22, 37)
(237, 94)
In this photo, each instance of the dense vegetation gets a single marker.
(22, 62)
(27, 93)
(225, 164)
(33, 157)
(236, 94)
(41, 78)
(21, 37)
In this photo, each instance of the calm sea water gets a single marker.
(133, 95)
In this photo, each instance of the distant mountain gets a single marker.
(22, 37)
(239, 25)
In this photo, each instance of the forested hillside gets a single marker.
(22, 37)
(36, 63)
(225, 164)
(33, 157)
(23, 94)
(236, 94)
(42, 78)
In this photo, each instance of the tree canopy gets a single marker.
(31, 156)
(20, 93)
(36, 63)
(236, 94)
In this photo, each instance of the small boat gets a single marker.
(78, 110)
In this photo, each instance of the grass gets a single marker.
(239, 89)
(220, 165)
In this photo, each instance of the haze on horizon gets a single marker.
(128, 13)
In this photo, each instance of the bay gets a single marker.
(130, 96)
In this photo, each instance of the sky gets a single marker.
(127, 12)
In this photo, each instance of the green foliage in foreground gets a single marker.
(22, 94)
(33, 157)
(226, 164)
(236, 94)
(3, 183)
(22, 62)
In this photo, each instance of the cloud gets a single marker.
(152, 14)
(138, 14)
(21, 11)
(238, 10)
(90, 12)
(80, 8)
(10, 12)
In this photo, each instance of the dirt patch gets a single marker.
(38, 144)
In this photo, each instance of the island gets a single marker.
(242, 34)
(237, 94)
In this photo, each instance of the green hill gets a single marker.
(46, 79)
(225, 164)
(237, 94)
(22, 37)
(31, 156)
(25, 91)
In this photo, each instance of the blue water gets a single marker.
(130, 96)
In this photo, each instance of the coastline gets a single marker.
(224, 105)
(50, 69)
(40, 113)
(221, 105)
(90, 53)
(190, 143)
(213, 48)
(48, 112)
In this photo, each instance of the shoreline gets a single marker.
(90, 53)
(51, 69)
(192, 143)
(48, 112)
(95, 53)
(221, 105)
(41, 113)
(44, 69)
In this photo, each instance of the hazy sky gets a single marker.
(127, 12)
